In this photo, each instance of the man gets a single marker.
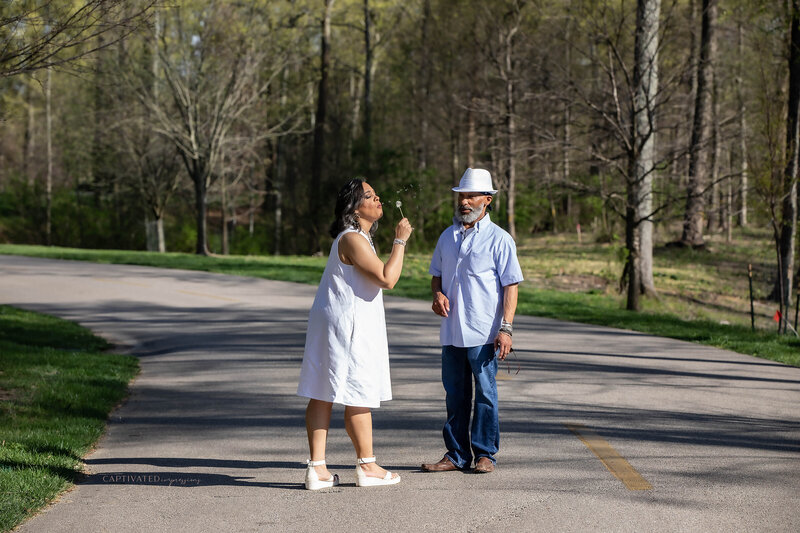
(475, 283)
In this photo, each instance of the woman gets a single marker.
(346, 357)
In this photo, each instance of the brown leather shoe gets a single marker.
(445, 465)
(484, 466)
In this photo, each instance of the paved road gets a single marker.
(212, 436)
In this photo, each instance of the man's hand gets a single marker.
(441, 305)
(502, 345)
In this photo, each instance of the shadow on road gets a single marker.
(228, 370)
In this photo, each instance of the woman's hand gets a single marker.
(403, 230)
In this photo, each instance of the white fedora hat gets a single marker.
(476, 180)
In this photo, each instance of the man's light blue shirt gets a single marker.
(474, 266)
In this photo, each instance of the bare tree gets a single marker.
(627, 105)
(212, 78)
(154, 172)
(643, 156)
(150, 162)
(40, 34)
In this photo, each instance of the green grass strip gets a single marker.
(590, 307)
(57, 387)
(604, 310)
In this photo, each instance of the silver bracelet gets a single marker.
(401, 242)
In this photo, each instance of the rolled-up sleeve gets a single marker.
(508, 268)
(435, 269)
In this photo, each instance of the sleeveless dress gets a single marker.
(346, 357)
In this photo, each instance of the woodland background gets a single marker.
(228, 126)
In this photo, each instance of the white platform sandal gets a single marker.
(313, 482)
(363, 480)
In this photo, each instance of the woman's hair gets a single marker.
(347, 201)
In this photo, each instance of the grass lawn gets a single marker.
(57, 386)
(702, 294)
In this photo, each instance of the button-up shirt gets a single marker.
(474, 266)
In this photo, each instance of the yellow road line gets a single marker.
(615, 463)
(204, 295)
(503, 377)
(121, 282)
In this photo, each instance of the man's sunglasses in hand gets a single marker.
(508, 365)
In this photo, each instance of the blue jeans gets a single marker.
(459, 367)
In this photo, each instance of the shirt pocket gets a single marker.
(481, 265)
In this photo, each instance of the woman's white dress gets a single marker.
(346, 358)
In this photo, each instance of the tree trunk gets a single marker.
(742, 131)
(319, 131)
(201, 203)
(788, 222)
(511, 163)
(154, 51)
(356, 90)
(568, 104)
(162, 243)
(30, 144)
(496, 161)
(426, 76)
(644, 153)
(606, 219)
(150, 234)
(99, 106)
(729, 201)
(289, 245)
(49, 183)
(693, 52)
(277, 186)
(367, 88)
(632, 228)
(278, 177)
(472, 133)
(154, 227)
(154, 233)
(551, 201)
(699, 150)
(224, 215)
(715, 221)
(455, 163)
(712, 204)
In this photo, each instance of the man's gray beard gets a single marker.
(470, 217)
